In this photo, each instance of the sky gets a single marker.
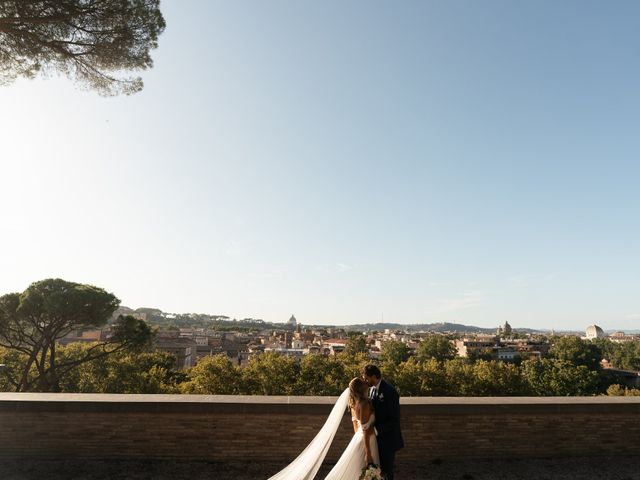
(346, 162)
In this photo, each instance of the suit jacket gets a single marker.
(386, 405)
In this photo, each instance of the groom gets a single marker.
(386, 404)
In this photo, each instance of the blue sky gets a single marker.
(472, 162)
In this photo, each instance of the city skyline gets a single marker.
(429, 162)
(220, 316)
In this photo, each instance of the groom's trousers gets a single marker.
(387, 461)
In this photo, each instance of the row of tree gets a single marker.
(572, 368)
(33, 322)
(132, 371)
(625, 355)
(274, 374)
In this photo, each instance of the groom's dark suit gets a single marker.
(386, 404)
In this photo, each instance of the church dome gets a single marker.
(507, 328)
(594, 331)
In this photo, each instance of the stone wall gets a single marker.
(276, 429)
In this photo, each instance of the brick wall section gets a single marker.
(276, 429)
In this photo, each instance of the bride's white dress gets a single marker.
(351, 462)
(353, 459)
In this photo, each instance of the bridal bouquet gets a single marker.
(371, 472)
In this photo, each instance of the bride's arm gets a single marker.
(367, 418)
(354, 419)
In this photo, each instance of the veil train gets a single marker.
(307, 464)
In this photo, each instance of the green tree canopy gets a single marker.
(394, 352)
(124, 371)
(320, 375)
(33, 322)
(214, 375)
(620, 391)
(497, 379)
(437, 347)
(269, 374)
(625, 355)
(577, 352)
(90, 41)
(352, 365)
(413, 378)
(548, 377)
(356, 343)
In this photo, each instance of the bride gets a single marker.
(361, 451)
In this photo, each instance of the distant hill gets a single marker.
(422, 327)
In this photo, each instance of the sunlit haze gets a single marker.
(347, 162)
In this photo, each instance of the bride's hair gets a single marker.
(356, 388)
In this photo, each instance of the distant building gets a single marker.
(83, 336)
(296, 353)
(334, 345)
(292, 321)
(297, 343)
(621, 337)
(594, 331)
(314, 349)
(506, 350)
(505, 331)
(469, 346)
(529, 349)
(505, 354)
(184, 349)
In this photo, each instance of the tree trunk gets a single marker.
(24, 380)
(54, 381)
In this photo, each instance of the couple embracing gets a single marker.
(375, 412)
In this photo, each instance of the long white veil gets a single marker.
(309, 461)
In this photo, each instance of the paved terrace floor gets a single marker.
(601, 468)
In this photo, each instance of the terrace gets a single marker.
(244, 437)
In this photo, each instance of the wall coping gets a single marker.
(259, 404)
(302, 400)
